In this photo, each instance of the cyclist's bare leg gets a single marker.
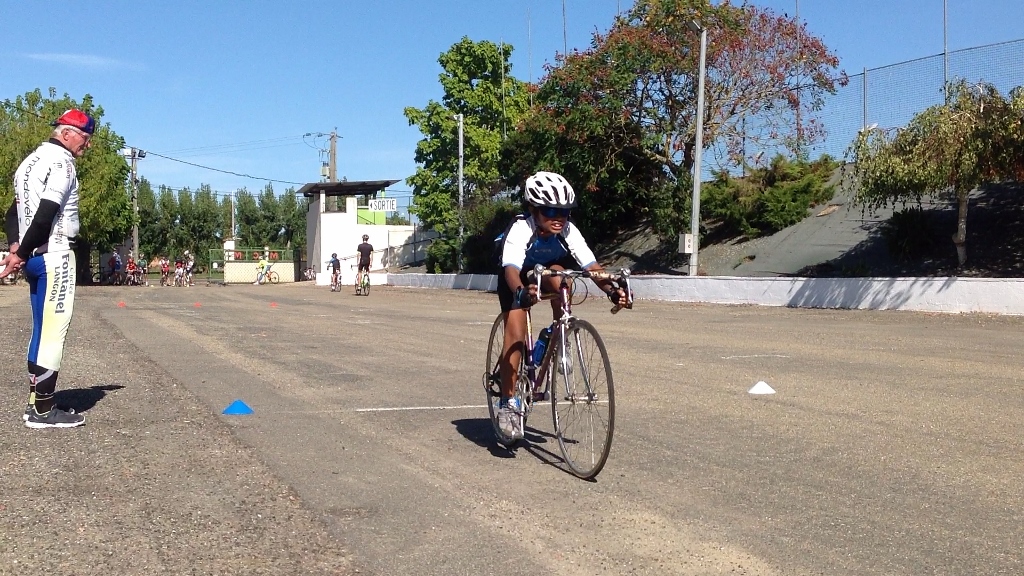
(512, 351)
(550, 286)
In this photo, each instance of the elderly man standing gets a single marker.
(44, 220)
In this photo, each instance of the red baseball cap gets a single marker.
(77, 119)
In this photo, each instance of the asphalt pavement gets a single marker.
(892, 444)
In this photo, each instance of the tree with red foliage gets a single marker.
(625, 108)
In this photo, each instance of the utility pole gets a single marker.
(134, 154)
(459, 118)
(332, 167)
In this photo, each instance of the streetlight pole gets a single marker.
(699, 148)
(459, 118)
(945, 50)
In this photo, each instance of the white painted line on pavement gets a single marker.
(755, 356)
(405, 408)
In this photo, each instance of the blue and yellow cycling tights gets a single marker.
(51, 281)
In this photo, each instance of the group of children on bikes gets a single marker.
(118, 273)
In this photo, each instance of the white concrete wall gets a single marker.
(340, 232)
(952, 295)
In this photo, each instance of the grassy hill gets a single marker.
(842, 240)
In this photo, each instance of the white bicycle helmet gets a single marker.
(549, 189)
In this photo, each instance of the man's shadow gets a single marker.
(83, 399)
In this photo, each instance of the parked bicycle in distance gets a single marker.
(574, 373)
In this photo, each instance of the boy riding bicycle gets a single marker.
(334, 265)
(542, 235)
(262, 267)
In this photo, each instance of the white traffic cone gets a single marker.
(761, 388)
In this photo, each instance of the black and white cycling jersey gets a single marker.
(48, 174)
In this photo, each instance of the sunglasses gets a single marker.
(83, 135)
(552, 212)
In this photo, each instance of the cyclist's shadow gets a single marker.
(480, 432)
(84, 399)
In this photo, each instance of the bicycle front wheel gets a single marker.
(582, 398)
(273, 277)
(492, 377)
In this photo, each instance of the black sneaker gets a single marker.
(29, 408)
(55, 418)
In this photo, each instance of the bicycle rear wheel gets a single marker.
(366, 284)
(582, 399)
(273, 277)
(492, 377)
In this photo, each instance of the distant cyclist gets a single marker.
(261, 270)
(131, 271)
(334, 265)
(165, 269)
(365, 251)
(542, 235)
(190, 266)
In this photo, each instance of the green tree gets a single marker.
(166, 223)
(227, 207)
(206, 225)
(248, 219)
(946, 151)
(270, 221)
(293, 219)
(183, 237)
(151, 243)
(105, 208)
(478, 84)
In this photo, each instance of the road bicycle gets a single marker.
(268, 276)
(575, 374)
(362, 283)
(335, 280)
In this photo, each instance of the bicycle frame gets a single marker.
(537, 374)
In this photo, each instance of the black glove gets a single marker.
(613, 295)
(522, 299)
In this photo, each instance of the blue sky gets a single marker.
(235, 85)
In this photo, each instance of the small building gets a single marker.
(341, 231)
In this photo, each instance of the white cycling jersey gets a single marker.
(523, 248)
(48, 174)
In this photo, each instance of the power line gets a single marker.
(239, 174)
(232, 145)
(12, 105)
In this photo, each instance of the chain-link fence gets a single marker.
(890, 96)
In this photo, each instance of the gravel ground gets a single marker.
(153, 484)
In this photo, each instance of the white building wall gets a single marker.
(339, 232)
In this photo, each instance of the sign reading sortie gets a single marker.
(383, 205)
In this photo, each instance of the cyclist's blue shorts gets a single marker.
(51, 282)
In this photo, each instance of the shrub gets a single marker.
(768, 199)
(908, 233)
